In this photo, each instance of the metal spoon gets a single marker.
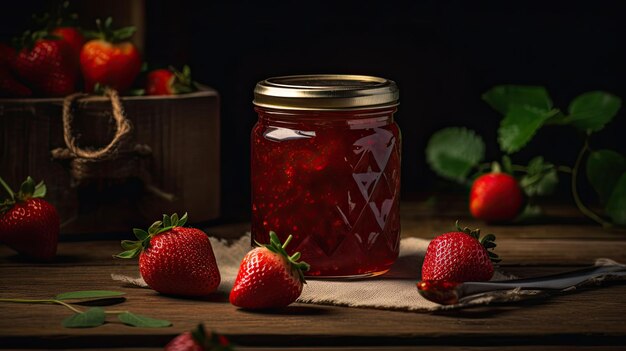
(450, 293)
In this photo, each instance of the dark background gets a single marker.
(442, 54)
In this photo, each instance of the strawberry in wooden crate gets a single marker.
(169, 81)
(29, 224)
(109, 59)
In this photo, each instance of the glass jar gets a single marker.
(326, 169)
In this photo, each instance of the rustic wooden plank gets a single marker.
(391, 348)
(594, 316)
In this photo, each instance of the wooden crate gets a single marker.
(177, 170)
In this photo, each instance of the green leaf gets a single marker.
(616, 206)
(93, 317)
(167, 222)
(501, 98)
(130, 244)
(140, 234)
(183, 220)
(87, 294)
(136, 320)
(592, 110)
(174, 219)
(453, 152)
(129, 253)
(519, 126)
(541, 178)
(40, 190)
(604, 168)
(28, 187)
(507, 164)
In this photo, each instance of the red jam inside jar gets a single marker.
(330, 176)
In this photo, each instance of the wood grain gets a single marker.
(587, 319)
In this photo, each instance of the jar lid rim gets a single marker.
(326, 92)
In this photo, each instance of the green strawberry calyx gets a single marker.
(107, 33)
(182, 82)
(297, 268)
(487, 241)
(210, 342)
(134, 247)
(28, 190)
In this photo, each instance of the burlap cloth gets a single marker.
(395, 290)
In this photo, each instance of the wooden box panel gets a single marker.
(181, 173)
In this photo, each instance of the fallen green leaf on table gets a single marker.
(95, 316)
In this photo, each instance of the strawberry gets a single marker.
(72, 36)
(268, 277)
(29, 224)
(169, 82)
(47, 64)
(7, 55)
(198, 340)
(11, 87)
(496, 197)
(173, 259)
(110, 59)
(460, 256)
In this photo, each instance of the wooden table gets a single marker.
(592, 318)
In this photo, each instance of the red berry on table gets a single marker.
(496, 197)
(110, 59)
(173, 259)
(29, 224)
(169, 82)
(198, 340)
(460, 256)
(47, 64)
(269, 277)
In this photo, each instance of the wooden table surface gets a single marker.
(593, 318)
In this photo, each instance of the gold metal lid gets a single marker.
(326, 92)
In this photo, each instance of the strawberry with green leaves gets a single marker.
(199, 340)
(173, 259)
(109, 59)
(269, 277)
(460, 256)
(29, 224)
(169, 81)
(47, 64)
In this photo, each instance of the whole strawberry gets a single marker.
(47, 64)
(29, 224)
(460, 256)
(169, 81)
(72, 36)
(268, 277)
(109, 59)
(496, 197)
(173, 259)
(198, 340)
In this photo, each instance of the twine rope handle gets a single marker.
(123, 126)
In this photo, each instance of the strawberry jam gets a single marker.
(328, 171)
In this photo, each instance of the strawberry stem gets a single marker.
(8, 189)
(134, 247)
(288, 241)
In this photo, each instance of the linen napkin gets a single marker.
(395, 290)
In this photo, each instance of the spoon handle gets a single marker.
(550, 282)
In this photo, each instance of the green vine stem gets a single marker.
(579, 203)
(53, 301)
(47, 301)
